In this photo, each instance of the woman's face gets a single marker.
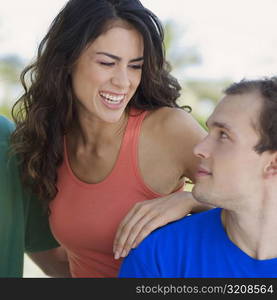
(108, 73)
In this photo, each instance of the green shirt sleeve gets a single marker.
(25, 220)
(38, 236)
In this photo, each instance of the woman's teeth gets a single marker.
(111, 98)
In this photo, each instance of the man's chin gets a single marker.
(200, 195)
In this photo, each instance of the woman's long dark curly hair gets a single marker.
(46, 110)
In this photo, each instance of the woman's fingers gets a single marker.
(126, 227)
(148, 215)
(141, 229)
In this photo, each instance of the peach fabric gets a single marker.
(84, 217)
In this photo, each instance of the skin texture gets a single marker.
(166, 142)
(233, 176)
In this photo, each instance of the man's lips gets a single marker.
(202, 172)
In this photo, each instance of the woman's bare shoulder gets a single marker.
(174, 121)
(179, 131)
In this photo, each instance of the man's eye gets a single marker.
(223, 135)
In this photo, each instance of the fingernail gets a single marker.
(116, 256)
(124, 253)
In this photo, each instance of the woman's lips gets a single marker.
(113, 101)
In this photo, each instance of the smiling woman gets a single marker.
(104, 80)
(102, 141)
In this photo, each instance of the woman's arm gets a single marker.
(53, 262)
(183, 132)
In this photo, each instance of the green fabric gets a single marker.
(23, 225)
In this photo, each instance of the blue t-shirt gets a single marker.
(195, 246)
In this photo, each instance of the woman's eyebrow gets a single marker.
(118, 58)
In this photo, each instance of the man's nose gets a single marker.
(202, 149)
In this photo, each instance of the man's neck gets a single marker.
(254, 230)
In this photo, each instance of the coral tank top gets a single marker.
(84, 217)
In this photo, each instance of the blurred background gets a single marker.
(209, 44)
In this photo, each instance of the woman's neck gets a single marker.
(92, 132)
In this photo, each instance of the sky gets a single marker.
(235, 39)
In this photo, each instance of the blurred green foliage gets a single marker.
(5, 110)
(200, 94)
(179, 57)
(10, 68)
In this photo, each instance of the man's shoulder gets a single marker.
(184, 228)
(192, 222)
(6, 128)
(165, 252)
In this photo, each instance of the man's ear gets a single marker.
(270, 169)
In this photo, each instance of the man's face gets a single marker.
(230, 171)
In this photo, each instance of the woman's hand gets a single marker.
(148, 215)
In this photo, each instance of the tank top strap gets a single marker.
(128, 151)
(136, 118)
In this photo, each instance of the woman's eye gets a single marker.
(106, 63)
(136, 67)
